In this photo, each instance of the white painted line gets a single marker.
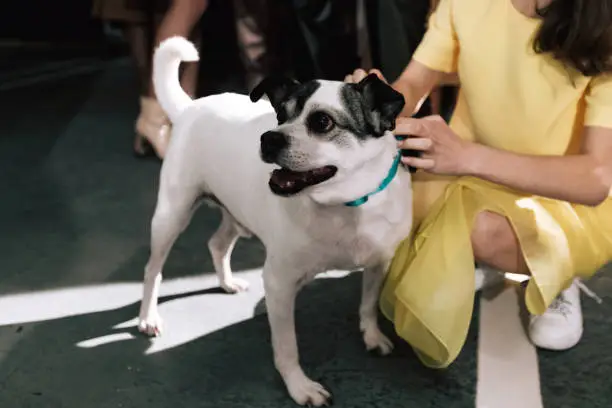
(508, 372)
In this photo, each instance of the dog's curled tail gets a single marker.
(166, 61)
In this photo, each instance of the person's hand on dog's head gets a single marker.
(360, 74)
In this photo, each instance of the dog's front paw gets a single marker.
(374, 339)
(151, 325)
(304, 391)
(235, 285)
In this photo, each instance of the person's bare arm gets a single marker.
(585, 178)
(416, 83)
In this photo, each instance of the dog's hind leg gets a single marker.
(221, 245)
(172, 215)
(374, 339)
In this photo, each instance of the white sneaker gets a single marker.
(560, 327)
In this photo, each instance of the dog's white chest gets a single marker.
(366, 238)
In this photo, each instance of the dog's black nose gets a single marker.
(272, 143)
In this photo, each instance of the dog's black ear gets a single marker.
(276, 88)
(382, 103)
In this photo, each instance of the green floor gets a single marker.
(74, 215)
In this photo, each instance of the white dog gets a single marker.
(313, 173)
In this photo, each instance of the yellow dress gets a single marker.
(511, 99)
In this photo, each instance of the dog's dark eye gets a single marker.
(320, 122)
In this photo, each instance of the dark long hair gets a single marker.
(577, 33)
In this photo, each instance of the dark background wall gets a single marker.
(35, 34)
(396, 27)
(49, 20)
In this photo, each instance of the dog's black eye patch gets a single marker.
(320, 122)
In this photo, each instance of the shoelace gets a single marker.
(588, 292)
(561, 305)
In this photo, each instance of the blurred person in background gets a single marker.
(145, 24)
(395, 28)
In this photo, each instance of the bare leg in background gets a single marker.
(153, 126)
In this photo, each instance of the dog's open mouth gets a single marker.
(285, 182)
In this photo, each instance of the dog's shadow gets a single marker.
(230, 367)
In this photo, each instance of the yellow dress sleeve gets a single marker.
(439, 48)
(599, 102)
